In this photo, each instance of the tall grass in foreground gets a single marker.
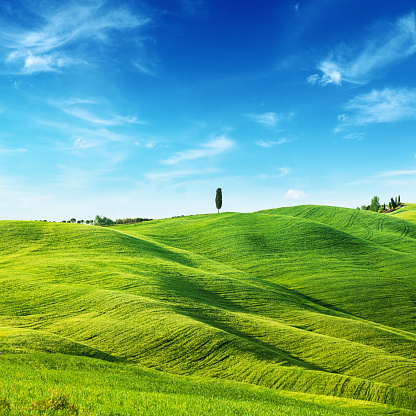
(84, 386)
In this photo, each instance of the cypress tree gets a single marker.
(218, 199)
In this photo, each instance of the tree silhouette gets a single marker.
(218, 199)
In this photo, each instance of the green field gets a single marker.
(307, 310)
(408, 212)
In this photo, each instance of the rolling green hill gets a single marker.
(291, 310)
(408, 212)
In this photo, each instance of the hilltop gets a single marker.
(311, 304)
(408, 212)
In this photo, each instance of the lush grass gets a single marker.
(315, 301)
(408, 213)
(94, 387)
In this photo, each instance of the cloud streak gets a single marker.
(380, 106)
(283, 172)
(269, 119)
(4, 151)
(63, 34)
(357, 64)
(214, 147)
(271, 143)
(114, 120)
(174, 174)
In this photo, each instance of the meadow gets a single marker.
(307, 310)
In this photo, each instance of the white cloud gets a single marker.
(331, 73)
(381, 106)
(169, 175)
(214, 147)
(87, 116)
(396, 177)
(4, 151)
(283, 172)
(72, 101)
(146, 68)
(80, 142)
(397, 173)
(294, 194)
(128, 120)
(269, 119)
(69, 28)
(356, 64)
(354, 136)
(272, 143)
(313, 79)
(151, 144)
(114, 120)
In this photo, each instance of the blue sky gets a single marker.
(145, 108)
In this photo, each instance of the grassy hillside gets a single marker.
(313, 305)
(408, 213)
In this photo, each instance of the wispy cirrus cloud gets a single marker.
(174, 174)
(282, 172)
(357, 63)
(80, 142)
(270, 119)
(4, 151)
(62, 34)
(271, 143)
(403, 176)
(354, 136)
(151, 144)
(397, 173)
(215, 146)
(380, 106)
(75, 107)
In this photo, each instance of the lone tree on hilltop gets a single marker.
(218, 199)
(375, 204)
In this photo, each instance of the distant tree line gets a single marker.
(377, 207)
(104, 221)
(132, 220)
(73, 221)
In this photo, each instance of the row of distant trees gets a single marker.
(376, 206)
(74, 220)
(104, 221)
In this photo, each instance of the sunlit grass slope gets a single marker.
(408, 212)
(94, 387)
(310, 300)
